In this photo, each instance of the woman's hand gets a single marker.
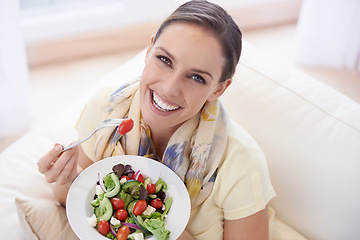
(60, 167)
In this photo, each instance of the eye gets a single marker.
(198, 78)
(164, 59)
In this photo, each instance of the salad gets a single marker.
(129, 206)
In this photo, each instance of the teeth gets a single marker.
(161, 105)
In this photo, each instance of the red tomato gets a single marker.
(156, 203)
(121, 214)
(140, 177)
(123, 233)
(151, 188)
(117, 203)
(125, 126)
(126, 177)
(139, 207)
(103, 227)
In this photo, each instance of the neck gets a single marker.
(160, 140)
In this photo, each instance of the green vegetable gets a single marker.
(95, 202)
(110, 235)
(112, 185)
(168, 204)
(139, 222)
(129, 184)
(127, 198)
(147, 181)
(157, 228)
(154, 215)
(160, 184)
(104, 210)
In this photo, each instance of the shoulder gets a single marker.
(242, 146)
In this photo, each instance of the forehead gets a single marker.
(192, 42)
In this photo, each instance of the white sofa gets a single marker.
(309, 132)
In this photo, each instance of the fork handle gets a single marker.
(75, 144)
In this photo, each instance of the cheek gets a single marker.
(149, 73)
(195, 100)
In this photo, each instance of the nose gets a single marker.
(171, 84)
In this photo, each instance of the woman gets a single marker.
(180, 122)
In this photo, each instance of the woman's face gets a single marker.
(182, 71)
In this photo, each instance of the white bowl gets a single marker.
(82, 191)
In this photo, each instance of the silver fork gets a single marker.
(114, 122)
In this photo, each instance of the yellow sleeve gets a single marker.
(245, 181)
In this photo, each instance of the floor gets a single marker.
(67, 79)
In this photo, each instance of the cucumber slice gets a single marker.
(147, 181)
(129, 184)
(116, 189)
(139, 222)
(105, 210)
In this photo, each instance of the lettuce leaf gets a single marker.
(157, 228)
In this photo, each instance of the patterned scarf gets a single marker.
(194, 151)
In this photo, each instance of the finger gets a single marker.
(46, 162)
(66, 175)
(57, 166)
(61, 169)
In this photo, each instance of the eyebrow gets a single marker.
(193, 69)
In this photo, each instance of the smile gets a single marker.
(160, 105)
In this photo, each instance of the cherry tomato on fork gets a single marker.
(125, 126)
(123, 233)
(103, 227)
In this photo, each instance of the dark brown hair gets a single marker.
(216, 19)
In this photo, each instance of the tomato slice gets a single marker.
(139, 178)
(126, 177)
(125, 126)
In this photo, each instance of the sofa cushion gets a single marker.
(43, 219)
(310, 134)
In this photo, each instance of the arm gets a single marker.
(185, 236)
(254, 227)
(62, 168)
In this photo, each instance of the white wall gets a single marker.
(126, 13)
(14, 84)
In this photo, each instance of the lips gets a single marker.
(161, 105)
